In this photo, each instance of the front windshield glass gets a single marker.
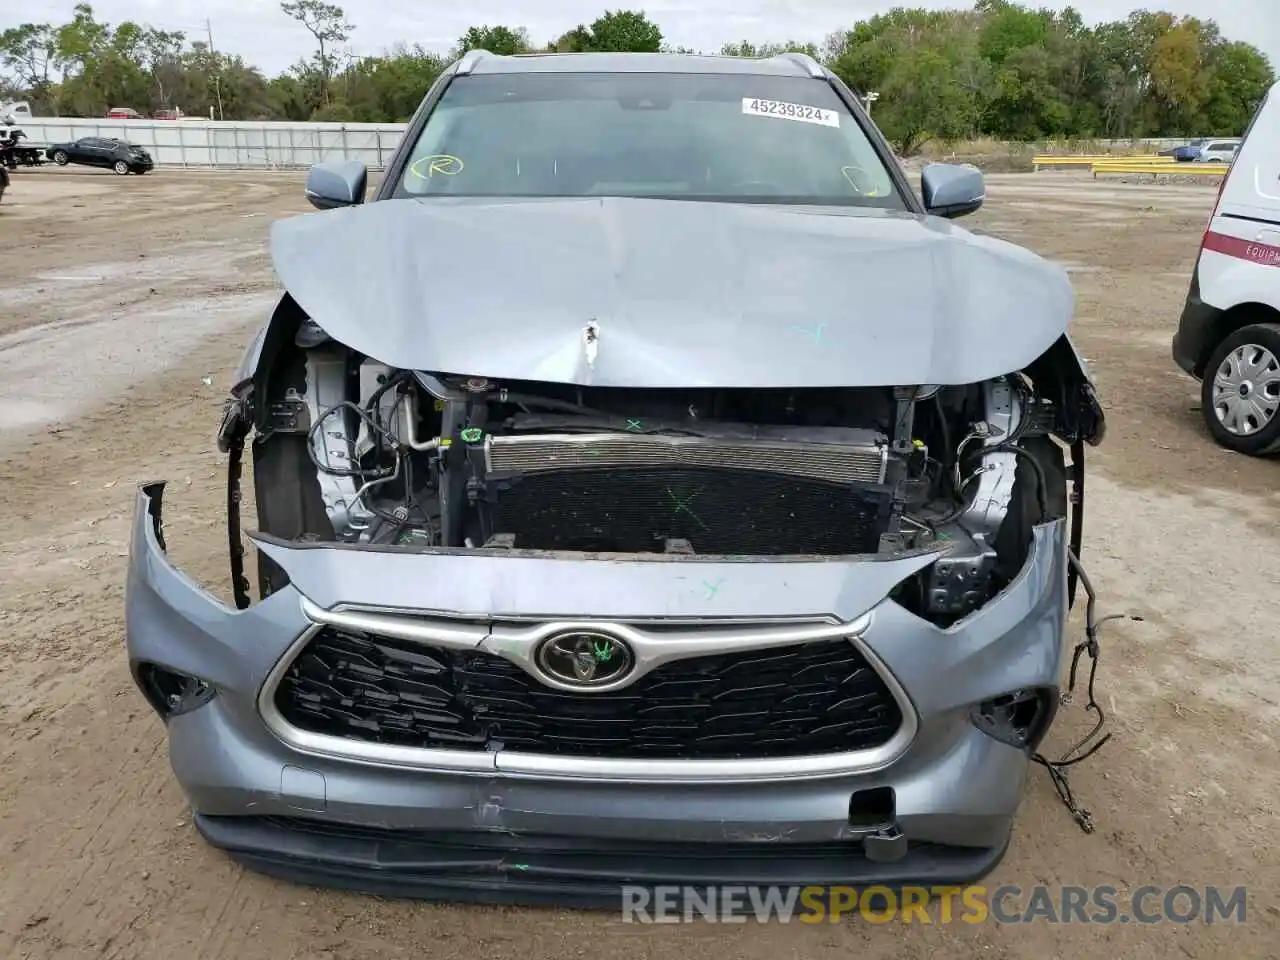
(729, 137)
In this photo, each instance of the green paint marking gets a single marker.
(602, 651)
(684, 504)
(712, 588)
(815, 333)
(633, 425)
(472, 435)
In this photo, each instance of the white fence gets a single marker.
(228, 143)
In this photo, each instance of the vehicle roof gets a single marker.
(784, 65)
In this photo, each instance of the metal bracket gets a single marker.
(288, 416)
(332, 442)
(958, 583)
(887, 846)
(999, 470)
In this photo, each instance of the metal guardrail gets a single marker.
(1158, 168)
(1112, 163)
(1089, 159)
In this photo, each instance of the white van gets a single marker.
(1229, 334)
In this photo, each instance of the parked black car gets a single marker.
(120, 156)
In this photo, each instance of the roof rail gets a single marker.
(469, 60)
(811, 65)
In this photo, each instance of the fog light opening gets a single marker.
(873, 809)
(170, 692)
(1019, 719)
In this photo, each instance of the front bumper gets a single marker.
(417, 829)
(1198, 331)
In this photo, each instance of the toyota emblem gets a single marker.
(584, 659)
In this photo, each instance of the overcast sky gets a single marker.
(259, 32)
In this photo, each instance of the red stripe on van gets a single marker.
(1263, 253)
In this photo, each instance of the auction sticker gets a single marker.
(790, 111)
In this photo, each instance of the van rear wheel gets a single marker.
(1240, 393)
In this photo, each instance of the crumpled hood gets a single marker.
(679, 293)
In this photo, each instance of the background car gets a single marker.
(1218, 151)
(1185, 153)
(118, 155)
(123, 113)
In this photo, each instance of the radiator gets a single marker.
(862, 459)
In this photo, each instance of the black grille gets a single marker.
(801, 700)
(717, 510)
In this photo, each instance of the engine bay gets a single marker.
(353, 451)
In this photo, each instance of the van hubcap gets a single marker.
(1246, 389)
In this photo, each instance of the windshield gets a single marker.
(692, 136)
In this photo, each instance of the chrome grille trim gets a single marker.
(437, 631)
(862, 462)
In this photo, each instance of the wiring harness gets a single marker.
(1094, 740)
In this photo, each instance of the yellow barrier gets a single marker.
(1089, 159)
(1158, 168)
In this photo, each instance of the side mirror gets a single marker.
(340, 183)
(950, 190)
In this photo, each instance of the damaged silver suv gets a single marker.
(651, 488)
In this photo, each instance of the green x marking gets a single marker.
(683, 503)
(633, 425)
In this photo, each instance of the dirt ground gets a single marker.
(124, 306)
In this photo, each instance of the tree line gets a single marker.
(997, 69)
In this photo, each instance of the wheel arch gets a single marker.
(1233, 319)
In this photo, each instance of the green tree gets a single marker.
(1008, 28)
(506, 41)
(29, 51)
(923, 102)
(162, 56)
(577, 40)
(1180, 77)
(924, 66)
(1241, 77)
(745, 48)
(390, 87)
(624, 31)
(326, 22)
(101, 65)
